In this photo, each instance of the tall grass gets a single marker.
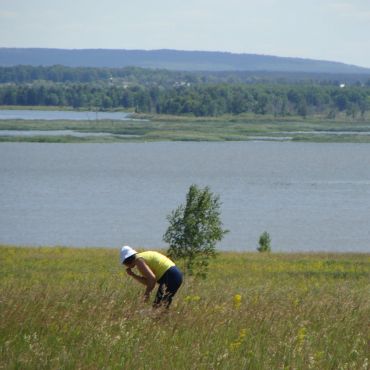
(64, 308)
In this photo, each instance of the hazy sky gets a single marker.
(337, 30)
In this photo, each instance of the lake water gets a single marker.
(29, 114)
(31, 133)
(309, 197)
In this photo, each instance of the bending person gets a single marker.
(154, 268)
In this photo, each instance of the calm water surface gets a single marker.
(28, 114)
(31, 133)
(308, 196)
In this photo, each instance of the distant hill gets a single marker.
(171, 59)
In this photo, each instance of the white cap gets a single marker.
(126, 252)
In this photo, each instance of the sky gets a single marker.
(335, 30)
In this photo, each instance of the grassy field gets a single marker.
(64, 308)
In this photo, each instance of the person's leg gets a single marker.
(169, 284)
(159, 296)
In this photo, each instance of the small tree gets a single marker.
(194, 230)
(264, 242)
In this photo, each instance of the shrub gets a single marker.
(264, 242)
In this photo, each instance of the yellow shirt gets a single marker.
(157, 262)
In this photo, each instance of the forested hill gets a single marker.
(170, 59)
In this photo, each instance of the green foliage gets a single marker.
(180, 93)
(264, 242)
(164, 77)
(194, 230)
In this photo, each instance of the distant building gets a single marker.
(181, 83)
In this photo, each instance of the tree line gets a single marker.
(59, 73)
(197, 100)
(166, 78)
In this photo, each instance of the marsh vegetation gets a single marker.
(174, 128)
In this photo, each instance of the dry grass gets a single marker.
(76, 309)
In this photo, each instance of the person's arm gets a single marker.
(148, 278)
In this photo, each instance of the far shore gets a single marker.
(154, 127)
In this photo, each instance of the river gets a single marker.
(50, 115)
(308, 196)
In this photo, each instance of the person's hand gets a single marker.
(129, 271)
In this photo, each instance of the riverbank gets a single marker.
(76, 308)
(146, 128)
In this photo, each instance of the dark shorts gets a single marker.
(169, 283)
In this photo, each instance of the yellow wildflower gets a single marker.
(302, 334)
(237, 343)
(301, 337)
(237, 300)
(192, 298)
(243, 333)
